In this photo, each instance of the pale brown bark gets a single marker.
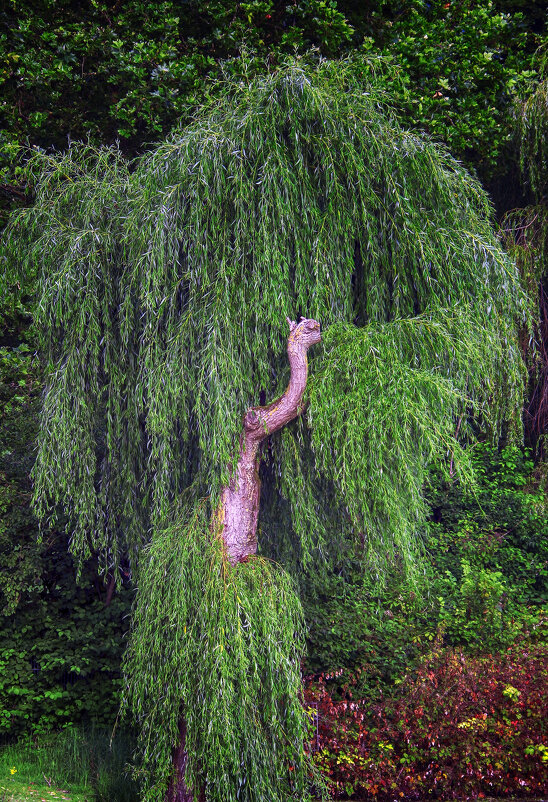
(239, 508)
(238, 511)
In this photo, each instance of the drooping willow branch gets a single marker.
(239, 508)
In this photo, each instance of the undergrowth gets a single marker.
(459, 727)
(90, 760)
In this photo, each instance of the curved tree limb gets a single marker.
(239, 508)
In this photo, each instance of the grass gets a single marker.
(15, 791)
(76, 764)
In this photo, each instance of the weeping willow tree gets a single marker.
(164, 292)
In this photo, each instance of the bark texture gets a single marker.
(239, 508)
(178, 790)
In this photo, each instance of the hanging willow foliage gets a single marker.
(408, 390)
(163, 294)
(90, 452)
(219, 646)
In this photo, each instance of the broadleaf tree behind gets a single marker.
(164, 288)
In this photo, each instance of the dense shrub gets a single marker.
(499, 526)
(485, 582)
(60, 651)
(361, 631)
(458, 726)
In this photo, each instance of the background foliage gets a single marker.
(61, 649)
(485, 572)
(526, 236)
(458, 725)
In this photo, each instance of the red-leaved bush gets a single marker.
(460, 726)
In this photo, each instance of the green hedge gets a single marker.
(60, 652)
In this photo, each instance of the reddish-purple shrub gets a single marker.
(460, 726)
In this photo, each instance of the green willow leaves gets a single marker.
(220, 645)
(164, 290)
(391, 400)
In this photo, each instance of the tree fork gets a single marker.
(238, 511)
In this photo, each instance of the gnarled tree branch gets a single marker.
(239, 508)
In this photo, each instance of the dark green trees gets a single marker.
(527, 238)
(163, 295)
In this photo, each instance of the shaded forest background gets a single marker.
(471, 74)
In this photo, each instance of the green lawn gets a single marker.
(12, 790)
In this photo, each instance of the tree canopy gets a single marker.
(164, 286)
(163, 291)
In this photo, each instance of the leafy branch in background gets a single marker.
(461, 63)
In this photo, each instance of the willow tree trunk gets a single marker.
(238, 511)
(178, 791)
